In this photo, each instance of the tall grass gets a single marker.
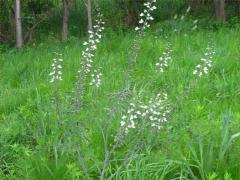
(199, 142)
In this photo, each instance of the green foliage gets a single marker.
(200, 142)
(119, 15)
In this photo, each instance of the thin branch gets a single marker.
(85, 171)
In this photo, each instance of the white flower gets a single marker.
(141, 21)
(146, 16)
(88, 53)
(164, 59)
(124, 117)
(154, 7)
(194, 28)
(203, 68)
(188, 9)
(122, 123)
(152, 114)
(195, 21)
(137, 28)
(56, 68)
(96, 78)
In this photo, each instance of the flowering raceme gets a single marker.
(164, 59)
(96, 78)
(91, 44)
(56, 73)
(186, 13)
(195, 25)
(87, 60)
(143, 23)
(182, 18)
(145, 16)
(154, 113)
(206, 63)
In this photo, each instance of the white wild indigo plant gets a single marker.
(56, 72)
(206, 62)
(180, 23)
(178, 28)
(195, 25)
(200, 70)
(145, 16)
(96, 78)
(144, 23)
(110, 150)
(165, 59)
(152, 114)
(186, 13)
(74, 136)
(87, 62)
(56, 113)
(139, 119)
(56, 77)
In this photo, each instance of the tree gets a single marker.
(220, 10)
(89, 11)
(18, 21)
(131, 10)
(65, 20)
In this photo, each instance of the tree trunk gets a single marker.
(89, 11)
(220, 10)
(18, 21)
(65, 20)
(131, 8)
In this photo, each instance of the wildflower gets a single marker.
(94, 38)
(146, 16)
(195, 21)
(195, 25)
(87, 61)
(206, 64)
(164, 59)
(194, 28)
(188, 9)
(183, 16)
(122, 123)
(152, 114)
(56, 73)
(137, 29)
(96, 78)
(141, 21)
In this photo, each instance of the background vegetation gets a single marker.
(200, 140)
(119, 14)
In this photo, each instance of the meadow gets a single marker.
(199, 139)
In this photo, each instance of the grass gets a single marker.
(197, 143)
